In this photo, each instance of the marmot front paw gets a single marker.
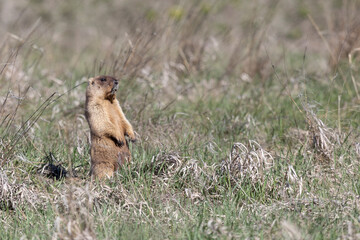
(117, 142)
(131, 136)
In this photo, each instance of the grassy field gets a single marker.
(247, 115)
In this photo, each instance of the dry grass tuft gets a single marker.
(166, 163)
(169, 164)
(357, 149)
(322, 138)
(191, 168)
(117, 195)
(74, 210)
(247, 162)
(195, 177)
(294, 183)
(6, 192)
(13, 195)
(215, 228)
(291, 231)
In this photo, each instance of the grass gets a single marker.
(247, 127)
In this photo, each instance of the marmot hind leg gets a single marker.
(102, 170)
(124, 155)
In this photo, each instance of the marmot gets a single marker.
(108, 127)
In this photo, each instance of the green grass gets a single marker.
(218, 156)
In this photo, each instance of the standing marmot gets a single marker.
(108, 126)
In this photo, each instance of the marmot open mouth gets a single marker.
(114, 89)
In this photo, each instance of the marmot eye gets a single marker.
(103, 79)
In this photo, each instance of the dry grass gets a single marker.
(74, 219)
(221, 95)
(247, 162)
(322, 138)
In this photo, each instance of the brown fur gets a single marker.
(108, 126)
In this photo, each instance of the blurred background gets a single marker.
(227, 38)
(204, 83)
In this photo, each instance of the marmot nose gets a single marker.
(116, 82)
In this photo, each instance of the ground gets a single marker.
(246, 114)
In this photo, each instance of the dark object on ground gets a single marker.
(50, 170)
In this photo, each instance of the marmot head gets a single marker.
(103, 87)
